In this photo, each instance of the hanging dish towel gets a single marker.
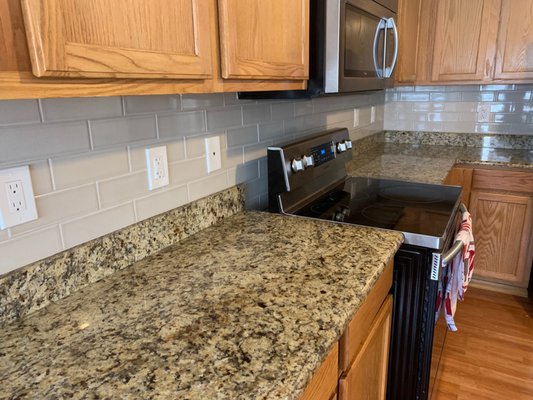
(458, 273)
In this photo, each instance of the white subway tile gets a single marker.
(61, 206)
(73, 171)
(414, 96)
(445, 96)
(201, 101)
(459, 126)
(26, 249)
(81, 108)
(231, 156)
(254, 113)
(151, 104)
(112, 132)
(181, 124)
(242, 136)
(4, 235)
(95, 225)
(35, 142)
(161, 202)
(41, 177)
(124, 188)
(224, 118)
(19, 112)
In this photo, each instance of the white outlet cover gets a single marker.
(157, 165)
(212, 153)
(25, 210)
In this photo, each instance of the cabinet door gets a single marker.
(264, 39)
(109, 38)
(367, 377)
(514, 56)
(502, 232)
(408, 22)
(465, 40)
(461, 177)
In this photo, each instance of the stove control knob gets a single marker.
(341, 147)
(309, 161)
(348, 144)
(297, 165)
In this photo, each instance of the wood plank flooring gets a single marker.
(491, 355)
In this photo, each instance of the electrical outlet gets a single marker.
(212, 153)
(157, 164)
(17, 204)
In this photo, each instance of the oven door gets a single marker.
(361, 46)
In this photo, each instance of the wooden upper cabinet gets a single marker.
(408, 24)
(109, 38)
(465, 38)
(264, 39)
(514, 56)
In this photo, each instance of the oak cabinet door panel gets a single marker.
(109, 38)
(264, 39)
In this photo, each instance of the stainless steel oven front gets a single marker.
(361, 45)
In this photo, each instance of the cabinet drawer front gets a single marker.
(324, 381)
(355, 334)
(503, 180)
(367, 377)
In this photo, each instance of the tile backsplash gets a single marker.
(504, 109)
(87, 162)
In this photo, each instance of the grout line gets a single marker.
(91, 144)
(98, 199)
(41, 112)
(130, 162)
(62, 237)
(51, 172)
(135, 210)
(157, 127)
(123, 105)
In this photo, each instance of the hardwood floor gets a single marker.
(491, 355)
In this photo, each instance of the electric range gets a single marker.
(308, 178)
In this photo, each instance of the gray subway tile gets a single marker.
(271, 130)
(181, 124)
(514, 96)
(254, 113)
(161, 202)
(118, 131)
(445, 96)
(509, 118)
(477, 96)
(124, 188)
(209, 185)
(496, 87)
(303, 108)
(201, 101)
(95, 225)
(19, 112)
(414, 96)
(151, 104)
(41, 178)
(16, 252)
(242, 136)
(282, 110)
(224, 118)
(81, 108)
(243, 173)
(60, 206)
(185, 171)
(73, 171)
(35, 142)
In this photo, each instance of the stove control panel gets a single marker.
(343, 146)
(322, 153)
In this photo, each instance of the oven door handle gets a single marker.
(457, 246)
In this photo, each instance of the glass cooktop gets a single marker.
(421, 211)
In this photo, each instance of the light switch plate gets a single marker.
(157, 165)
(212, 153)
(17, 203)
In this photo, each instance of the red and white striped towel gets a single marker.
(458, 274)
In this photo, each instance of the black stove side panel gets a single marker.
(412, 324)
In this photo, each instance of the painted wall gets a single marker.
(87, 162)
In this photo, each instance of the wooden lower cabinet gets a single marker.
(367, 376)
(502, 227)
(361, 356)
(501, 203)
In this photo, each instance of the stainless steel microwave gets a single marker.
(353, 47)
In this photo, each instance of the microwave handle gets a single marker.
(392, 25)
(381, 26)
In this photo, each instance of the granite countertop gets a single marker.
(245, 309)
(431, 163)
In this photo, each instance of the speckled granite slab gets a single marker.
(245, 309)
(32, 287)
(430, 163)
(500, 141)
